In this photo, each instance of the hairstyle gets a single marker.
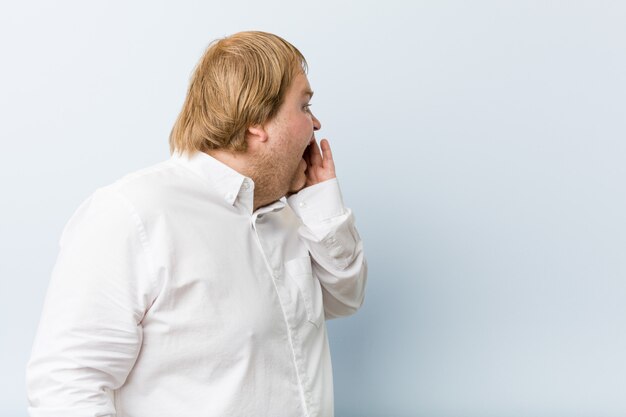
(240, 81)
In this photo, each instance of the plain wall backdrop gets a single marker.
(481, 145)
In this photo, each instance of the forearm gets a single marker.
(335, 246)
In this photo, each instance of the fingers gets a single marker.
(316, 155)
(329, 163)
(328, 155)
(320, 164)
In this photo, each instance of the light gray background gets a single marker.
(481, 145)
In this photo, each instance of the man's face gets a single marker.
(290, 132)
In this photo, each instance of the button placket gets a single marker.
(276, 273)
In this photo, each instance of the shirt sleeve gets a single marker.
(90, 330)
(335, 246)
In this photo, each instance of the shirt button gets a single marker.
(246, 185)
(277, 273)
(229, 196)
(302, 204)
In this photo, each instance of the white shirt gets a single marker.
(171, 297)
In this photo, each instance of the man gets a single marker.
(200, 286)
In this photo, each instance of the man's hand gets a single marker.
(320, 165)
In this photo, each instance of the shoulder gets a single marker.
(150, 184)
(135, 196)
(156, 189)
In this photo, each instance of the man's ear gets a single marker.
(256, 134)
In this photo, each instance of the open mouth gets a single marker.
(306, 152)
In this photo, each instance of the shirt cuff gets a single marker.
(318, 203)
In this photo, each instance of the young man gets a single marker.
(200, 286)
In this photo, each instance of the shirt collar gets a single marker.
(225, 181)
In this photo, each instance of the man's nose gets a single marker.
(317, 125)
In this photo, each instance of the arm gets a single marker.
(329, 233)
(90, 331)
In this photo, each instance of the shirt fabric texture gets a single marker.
(171, 297)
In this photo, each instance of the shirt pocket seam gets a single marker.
(301, 272)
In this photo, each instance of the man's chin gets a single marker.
(297, 185)
(299, 179)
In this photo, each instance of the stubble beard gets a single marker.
(272, 178)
